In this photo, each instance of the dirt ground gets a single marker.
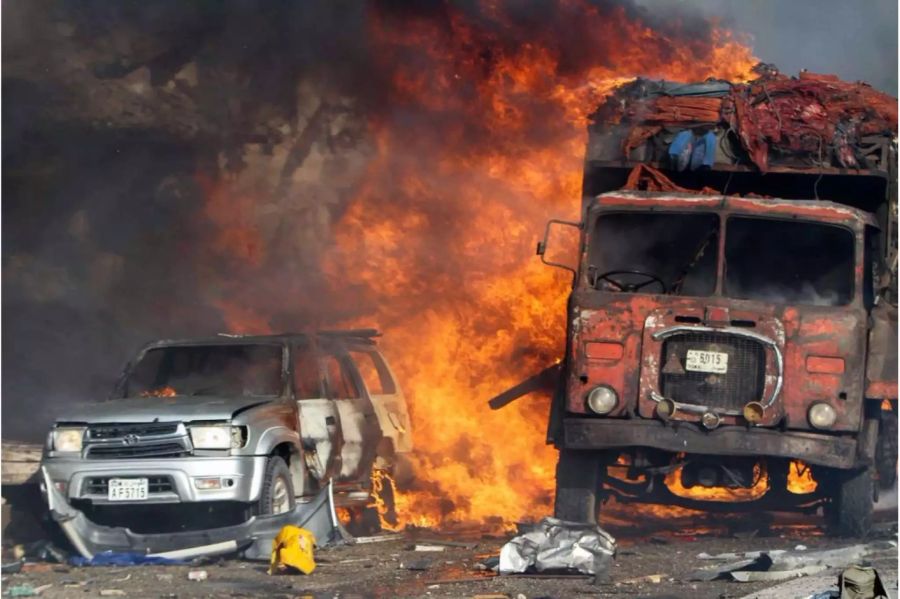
(646, 547)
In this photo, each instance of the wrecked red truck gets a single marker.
(733, 312)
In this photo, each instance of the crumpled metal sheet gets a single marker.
(252, 538)
(557, 544)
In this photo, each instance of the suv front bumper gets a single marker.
(83, 478)
(813, 448)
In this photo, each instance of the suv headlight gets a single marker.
(218, 436)
(68, 439)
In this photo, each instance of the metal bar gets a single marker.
(597, 433)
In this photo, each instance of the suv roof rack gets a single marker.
(366, 333)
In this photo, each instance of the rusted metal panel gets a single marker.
(824, 450)
(819, 211)
(881, 368)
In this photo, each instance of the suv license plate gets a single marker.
(128, 489)
(706, 361)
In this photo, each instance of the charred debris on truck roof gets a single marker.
(813, 121)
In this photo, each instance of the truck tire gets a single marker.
(849, 512)
(886, 451)
(577, 485)
(277, 494)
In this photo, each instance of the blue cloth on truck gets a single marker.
(681, 149)
(704, 153)
(114, 558)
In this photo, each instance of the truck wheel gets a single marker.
(886, 451)
(576, 486)
(849, 513)
(277, 495)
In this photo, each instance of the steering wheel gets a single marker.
(631, 287)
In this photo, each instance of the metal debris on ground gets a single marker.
(778, 565)
(557, 544)
(26, 590)
(198, 575)
(416, 565)
(376, 539)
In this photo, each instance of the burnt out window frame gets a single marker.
(121, 388)
(312, 347)
(387, 384)
(345, 362)
(597, 213)
(855, 289)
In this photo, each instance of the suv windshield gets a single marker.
(661, 252)
(222, 370)
(788, 261)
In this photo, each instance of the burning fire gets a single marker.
(481, 142)
(757, 490)
(800, 479)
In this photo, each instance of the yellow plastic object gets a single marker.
(293, 547)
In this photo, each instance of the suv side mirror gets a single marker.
(542, 245)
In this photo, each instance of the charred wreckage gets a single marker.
(733, 311)
(215, 444)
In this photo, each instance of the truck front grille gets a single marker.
(743, 382)
(99, 485)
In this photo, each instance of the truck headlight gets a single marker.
(216, 436)
(68, 440)
(602, 400)
(821, 415)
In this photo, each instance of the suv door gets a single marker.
(387, 399)
(360, 432)
(320, 425)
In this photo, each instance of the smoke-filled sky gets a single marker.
(854, 40)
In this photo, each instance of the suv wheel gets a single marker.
(849, 511)
(577, 485)
(278, 490)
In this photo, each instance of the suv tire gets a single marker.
(277, 494)
(577, 486)
(849, 513)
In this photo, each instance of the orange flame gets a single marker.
(481, 142)
(800, 479)
(757, 490)
(161, 392)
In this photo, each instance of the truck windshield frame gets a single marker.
(682, 252)
(793, 262)
(219, 370)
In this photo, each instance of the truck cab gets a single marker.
(728, 331)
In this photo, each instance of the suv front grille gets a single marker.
(743, 382)
(99, 485)
(137, 440)
(101, 432)
(156, 450)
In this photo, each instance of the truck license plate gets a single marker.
(128, 489)
(706, 361)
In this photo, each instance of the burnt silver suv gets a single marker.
(254, 423)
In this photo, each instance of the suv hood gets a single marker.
(150, 409)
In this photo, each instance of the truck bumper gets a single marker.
(812, 448)
(243, 476)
